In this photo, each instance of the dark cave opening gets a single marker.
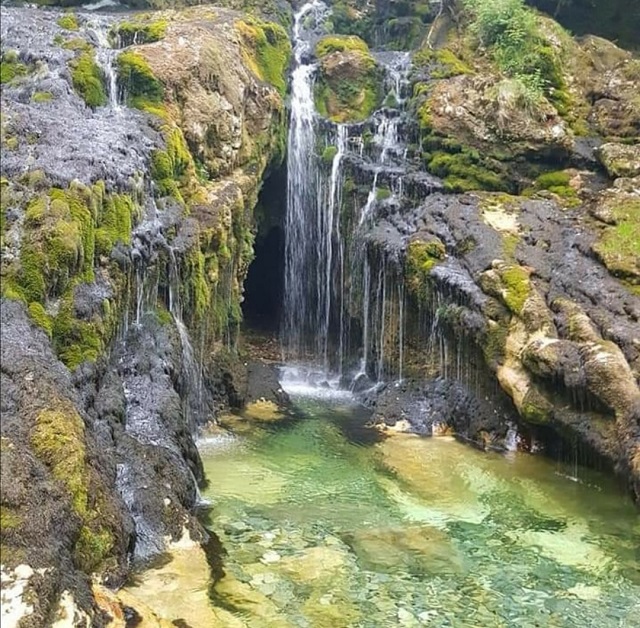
(264, 284)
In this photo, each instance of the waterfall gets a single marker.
(331, 277)
(308, 246)
(105, 58)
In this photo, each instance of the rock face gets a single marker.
(128, 189)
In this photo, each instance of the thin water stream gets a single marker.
(326, 524)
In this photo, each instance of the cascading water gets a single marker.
(327, 271)
(105, 58)
(308, 231)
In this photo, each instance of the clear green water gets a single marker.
(323, 527)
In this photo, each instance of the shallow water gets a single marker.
(325, 525)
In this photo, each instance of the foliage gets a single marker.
(266, 49)
(330, 44)
(88, 80)
(68, 21)
(139, 32)
(508, 29)
(40, 97)
(137, 79)
(11, 67)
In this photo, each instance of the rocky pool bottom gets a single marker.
(324, 523)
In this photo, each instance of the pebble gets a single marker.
(270, 557)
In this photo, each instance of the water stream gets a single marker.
(327, 525)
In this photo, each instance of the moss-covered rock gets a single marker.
(620, 160)
(421, 256)
(266, 50)
(88, 79)
(348, 88)
(141, 30)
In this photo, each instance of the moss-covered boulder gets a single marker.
(348, 87)
(620, 160)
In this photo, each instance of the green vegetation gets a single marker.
(516, 287)
(509, 30)
(58, 440)
(119, 214)
(173, 169)
(266, 50)
(421, 258)
(463, 170)
(11, 67)
(348, 88)
(329, 153)
(141, 86)
(330, 44)
(9, 519)
(88, 80)
(558, 183)
(383, 193)
(444, 62)
(68, 21)
(619, 245)
(76, 43)
(139, 32)
(40, 317)
(40, 97)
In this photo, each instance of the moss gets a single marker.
(9, 519)
(558, 183)
(535, 408)
(117, 218)
(383, 193)
(68, 21)
(164, 316)
(266, 50)
(40, 97)
(139, 32)
(464, 171)
(328, 154)
(421, 257)
(443, 63)
(75, 341)
(137, 79)
(77, 43)
(618, 248)
(57, 440)
(11, 67)
(173, 169)
(88, 80)
(517, 287)
(495, 342)
(350, 91)
(40, 317)
(335, 43)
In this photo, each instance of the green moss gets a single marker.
(11, 67)
(517, 287)
(535, 408)
(77, 43)
(75, 341)
(464, 171)
(57, 439)
(88, 80)
(117, 218)
(421, 257)
(40, 97)
(335, 43)
(328, 154)
(351, 97)
(266, 50)
(68, 21)
(618, 248)
(164, 316)
(40, 317)
(139, 32)
(173, 169)
(495, 342)
(9, 519)
(135, 75)
(383, 193)
(444, 63)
